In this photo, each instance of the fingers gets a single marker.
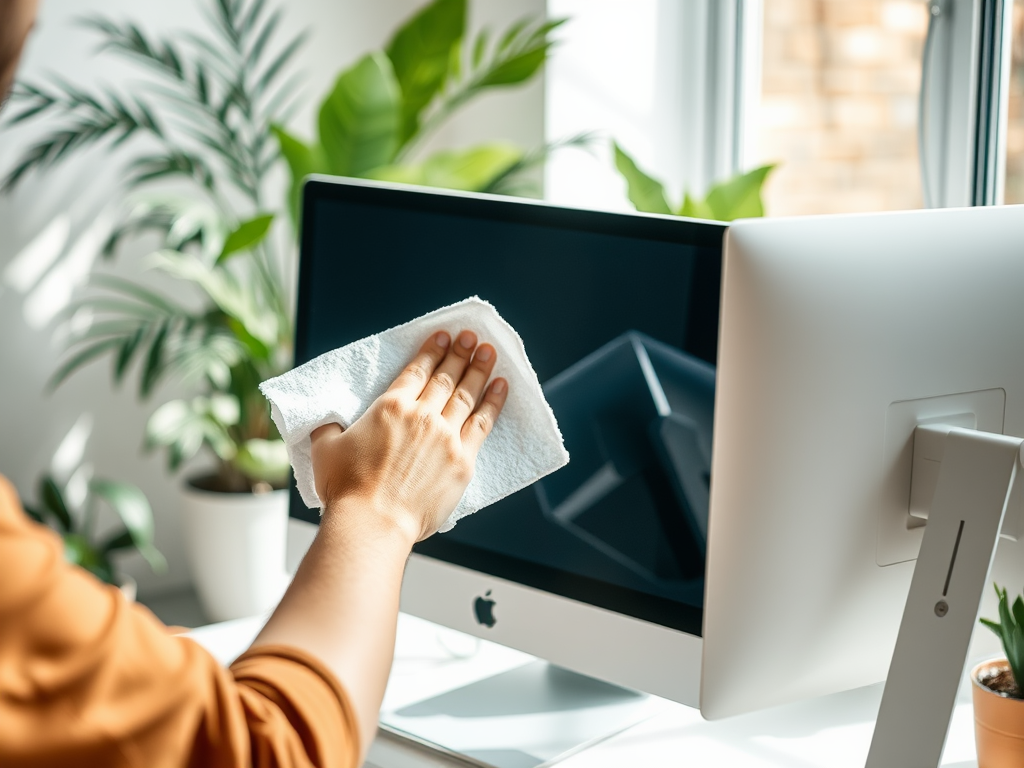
(467, 393)
(417, 373)
(449, 373)
(479, 425)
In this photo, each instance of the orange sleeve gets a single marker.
(88, 679)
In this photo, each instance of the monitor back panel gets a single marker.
(839, 334)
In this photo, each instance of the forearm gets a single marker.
(342, 605)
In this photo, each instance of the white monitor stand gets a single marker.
(971, 494)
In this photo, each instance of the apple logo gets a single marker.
(484, 610)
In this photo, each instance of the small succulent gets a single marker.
(1010, 630)
(82, 546)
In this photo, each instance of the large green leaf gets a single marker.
(520, 54)
(421, 54)
(694, 208)
(53, 500)
(739, 197)
(247, 236)
(359, 119)
(644, 192)
(131, 505)
(265, 460)
(302, 160)
(472, 169)
(183, 426)
(233, 298)
(78, 550)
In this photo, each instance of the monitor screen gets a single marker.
(619, 316)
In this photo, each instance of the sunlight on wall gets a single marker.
(54, 292)
(29, 264)
(69, 454)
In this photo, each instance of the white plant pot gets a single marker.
(236, 550)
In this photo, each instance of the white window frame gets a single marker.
(964, 98)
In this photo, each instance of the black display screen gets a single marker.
(619, 315)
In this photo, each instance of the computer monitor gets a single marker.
(598, 568)
(839, 336)
(814, 353)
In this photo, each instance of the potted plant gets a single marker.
(209, 119)
(997, 692)
(735, 198)
(82, 543)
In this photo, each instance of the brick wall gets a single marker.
(839, 104)
(1015, 132)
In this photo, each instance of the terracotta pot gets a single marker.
(998, 723)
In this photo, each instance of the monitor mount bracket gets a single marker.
(966, 513)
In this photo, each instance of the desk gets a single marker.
(830, 732)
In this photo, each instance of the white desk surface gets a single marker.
(833, 731)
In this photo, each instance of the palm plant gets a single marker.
(380, 110)
(206, 118)
(735, 198)
(202, 118)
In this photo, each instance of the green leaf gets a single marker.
(421, 54)
(516, 179)
(1005, 618)
(302, 160)
(154, 300)
(225, 409)
(472, 169)
(360, 119)
(516, 69)
(77, 549)
(153, 367)
(264, 460)
(126, 352)
(1018, 611)
(233, 298)
(739, 197)
(53, 500)
(131, 505)
(166, 422)
(993, 626)
(33, 513)
(247, 236)
(520, 54)
(117, 541)
(644, 192)
(76, 361)
(695, 209)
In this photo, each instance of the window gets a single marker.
(830, 90)
(839, 101)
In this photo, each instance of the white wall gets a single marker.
(32, 423)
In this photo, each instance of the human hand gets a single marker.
(408, 459)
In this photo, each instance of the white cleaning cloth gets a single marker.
(338, 387)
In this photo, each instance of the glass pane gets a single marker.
(1015, 129)
(841, 80)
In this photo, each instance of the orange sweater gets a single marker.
(88, 679)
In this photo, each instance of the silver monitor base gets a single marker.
(527, 717)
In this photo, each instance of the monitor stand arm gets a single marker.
(952, 570)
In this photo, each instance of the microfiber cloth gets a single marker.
(338, 387)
